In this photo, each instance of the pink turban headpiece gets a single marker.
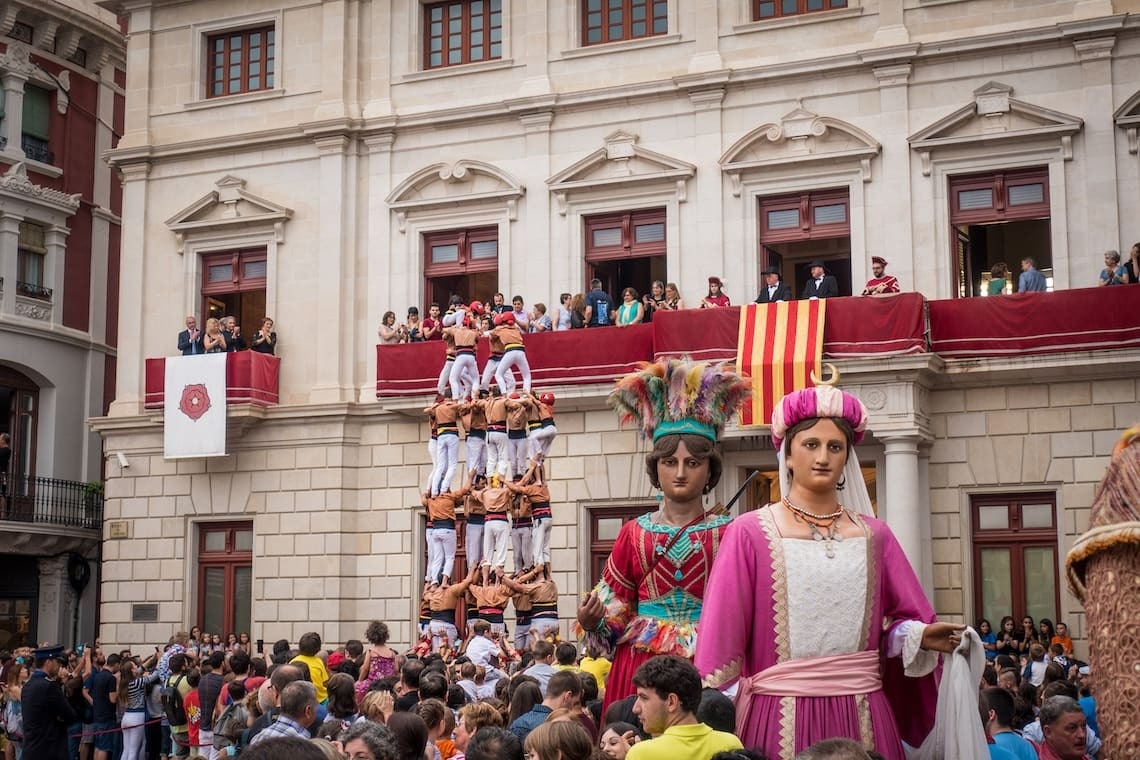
(818, 401)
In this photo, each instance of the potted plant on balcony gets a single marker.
(92, 496)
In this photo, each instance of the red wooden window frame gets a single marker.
(251, 52)
(600, 548)
(229, 559)
(806, 205)
(465, 239)
(238, 282)
(605, 21)
(474, 32)
(1001, 185)
(629, 221)
(765, 10)
(465, 263)
(1016, 538)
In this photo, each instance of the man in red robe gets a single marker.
(882, 282)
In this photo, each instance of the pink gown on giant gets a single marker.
(772, 600)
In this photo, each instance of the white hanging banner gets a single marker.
(194, 410)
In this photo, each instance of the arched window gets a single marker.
(19, 404)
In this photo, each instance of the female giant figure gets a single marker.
(812, 608)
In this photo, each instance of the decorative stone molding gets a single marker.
(37, 310)
(1127, 117)
(17, 60)
(466, 181)
(228, 209)
(800, 137)
(995, 116)
(619, 162)
(15, 182)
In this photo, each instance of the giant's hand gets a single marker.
(942, 637)
(591, 612)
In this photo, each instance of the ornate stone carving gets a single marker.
(16, 181)
(17, 59)
(875, 398)
(33, 311)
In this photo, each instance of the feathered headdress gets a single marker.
(673, 396)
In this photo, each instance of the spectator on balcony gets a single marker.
(215, 340)
(1031, 280)
(499, 304)
(654, 299)
(540, 320)
(631, 311)
(882, 283)
(1132, 266)
(716, 299)
(1113, 273)
(390, 332)
(577, 309)
(821, 284)
(673, 300)
(598, 306)
(562, 316)
(265, 340)
(997, 278)
(190, 339)
(432, 325)
(234, 341)
(521, 317)
(774, 289)
(412, 328)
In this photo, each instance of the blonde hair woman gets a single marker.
(214, 340)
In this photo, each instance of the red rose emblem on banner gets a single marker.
(195, 401)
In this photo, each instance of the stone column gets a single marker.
(705, 213)
(55, 239)
(386, 277)
(522, 268)
(129, 373)
(12, 124)
(136, 132)
(9, 245)
(903, 503)
(888, 230)
(1102, 228)
(892, 29)
(334, 303)
(55, 601)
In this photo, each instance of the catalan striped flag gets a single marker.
(778, 346)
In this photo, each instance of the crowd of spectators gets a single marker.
(235, 698)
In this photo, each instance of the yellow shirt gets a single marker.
(318, 672)
(696, 741)
(599, 668)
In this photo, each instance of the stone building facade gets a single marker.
(382, 164)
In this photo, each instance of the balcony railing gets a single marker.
(37, 149)
(1086, 319)
(32, 290)
(251, 378)
(49, 501)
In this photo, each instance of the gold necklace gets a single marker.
(822, 526)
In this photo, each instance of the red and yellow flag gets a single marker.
(778, 347)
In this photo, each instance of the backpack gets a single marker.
(603, 309)
(229, 725)
(172, 706)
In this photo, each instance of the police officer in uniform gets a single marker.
(47, 713)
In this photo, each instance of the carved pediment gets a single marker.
(1127, 117)
(464, 182)
(620, 161)
(799, 137)
(16, 183)
(994, 115)
(229, 207)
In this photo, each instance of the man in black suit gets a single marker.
(821, 284)
(47, 713)
(190, 339)
(774, 290)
